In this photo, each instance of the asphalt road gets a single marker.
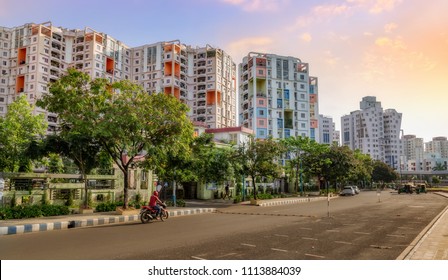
(366, 226)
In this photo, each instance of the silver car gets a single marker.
(347, 190)
(356, 189)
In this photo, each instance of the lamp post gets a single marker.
(301, 181)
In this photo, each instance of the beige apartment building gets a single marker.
(33, 55)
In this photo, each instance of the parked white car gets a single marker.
(347, 190)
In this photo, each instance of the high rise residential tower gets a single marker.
(438, 145)
(374, 131)
(327, 130)
(277, 96)
(33, 55)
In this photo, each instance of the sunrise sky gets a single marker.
(396, 50)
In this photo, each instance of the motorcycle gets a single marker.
(149, 214)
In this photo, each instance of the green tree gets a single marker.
(363, 168)
(315, 160)
(383, 173)
(82, 149)
(341, 166)
(55, 164)
(295, 148)
(439, 167)
(210, 163)
(17, 131)
(259, 158)
(122, 117)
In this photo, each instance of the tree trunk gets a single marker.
(86, 192)
(255, 187)
(297, 178)
(125, 188)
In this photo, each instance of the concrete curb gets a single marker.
(64, 225)
(292, 201)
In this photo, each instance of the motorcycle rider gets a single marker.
(153, 202)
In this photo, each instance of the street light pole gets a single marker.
(301, 181)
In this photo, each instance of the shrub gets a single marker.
(179, 203)
(106, 207)
(32, 211)
(264, 196)
(237, 199)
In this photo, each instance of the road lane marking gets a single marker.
(281, 235)
(344, 242)
(197, 258)
(226, 255)
(309, 238)
(305, 228)
(315, 256)
(416, 206)
(359, 232)
(248, 245)
(279, 250)
(332, 230)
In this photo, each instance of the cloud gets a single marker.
(330, 59)
(389, 58)
(321, 13)
(396, 44)
(375, 6)
(388, 28)
(306, 37)
(257, 5)
(383, 6)
(330, 10)
(245, 45)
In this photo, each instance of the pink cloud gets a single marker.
(257, 5)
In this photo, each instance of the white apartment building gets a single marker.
(438, 145)
(33, 55)
(413, 153)
(327, 130)
(373, 131)
(277, 97)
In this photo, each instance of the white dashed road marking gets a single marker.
(309, 238)
(344, 242)
(315, 256)
(279, 250)
(248, 245)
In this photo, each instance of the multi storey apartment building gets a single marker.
(413, 152)
(33, 55)
(277, 97)
(326, 130)
(374, 131)
(438, 145)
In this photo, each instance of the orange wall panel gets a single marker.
(168, 69)
(21, 56)
(20, 84)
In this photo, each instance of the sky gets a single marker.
(396, 50)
